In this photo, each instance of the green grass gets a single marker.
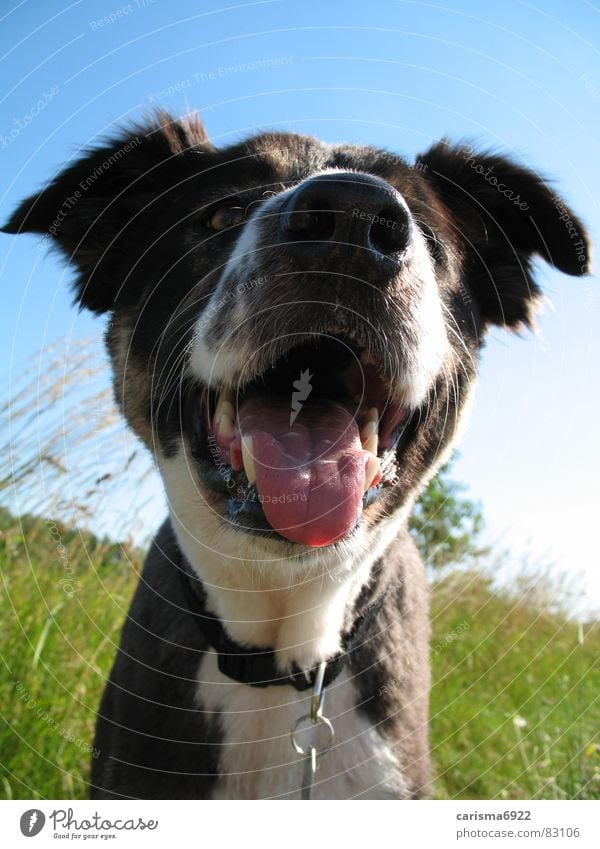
(515, 701)
(62, 610)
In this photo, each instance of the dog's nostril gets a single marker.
(342, 213)
(310, 220)
(390, 231)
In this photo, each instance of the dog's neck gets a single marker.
(298, 606)
(300, 615)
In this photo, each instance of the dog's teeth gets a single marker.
(224, 407)
(371, 471)
(368, 429)
(369, 432)
(371, 444)
(370, 425)
(369, 435)
(248, 459)
(224, 417)
(224, 426)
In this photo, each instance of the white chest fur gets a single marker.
(257, 760)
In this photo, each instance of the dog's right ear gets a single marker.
(93, 208)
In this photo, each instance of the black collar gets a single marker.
(256, 666)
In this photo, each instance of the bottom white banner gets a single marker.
(266, 824)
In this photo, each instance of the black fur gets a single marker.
(500, 235)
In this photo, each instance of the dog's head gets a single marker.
(295, 325)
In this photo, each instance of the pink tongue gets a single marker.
(310, 475)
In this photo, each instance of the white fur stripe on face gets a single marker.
(212, 360)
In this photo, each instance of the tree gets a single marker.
(447, 526)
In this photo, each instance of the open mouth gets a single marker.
(304, 448)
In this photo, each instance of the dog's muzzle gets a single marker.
(356, 211)
(302, 430)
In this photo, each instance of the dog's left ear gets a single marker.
(503, 215)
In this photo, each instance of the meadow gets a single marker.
(515, 709)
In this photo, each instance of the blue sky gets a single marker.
(517, 76)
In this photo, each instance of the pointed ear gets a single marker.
(95, 209)
(503, 215)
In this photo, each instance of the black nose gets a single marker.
(345, 208)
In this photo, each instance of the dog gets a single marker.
(294, 329)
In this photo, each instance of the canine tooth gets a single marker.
(368, 429)
(371, 471)
(371, 444)
(248, 459)
(370, 425)
(224, 426)
(224, 407)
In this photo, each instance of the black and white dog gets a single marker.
(294, 330)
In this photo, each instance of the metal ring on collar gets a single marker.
(307, 720)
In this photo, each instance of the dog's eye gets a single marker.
(225, 217)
